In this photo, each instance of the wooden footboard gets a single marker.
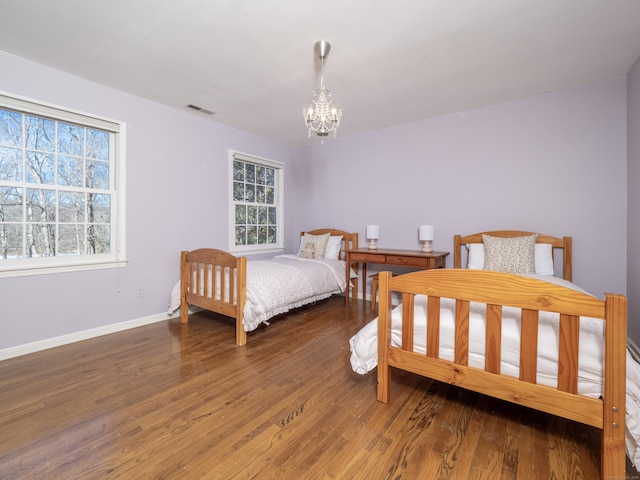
(214, 280)
(532, 296)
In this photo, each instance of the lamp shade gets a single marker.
(373, 232)
(426, 232)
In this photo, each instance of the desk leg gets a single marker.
(364, 281)
(348, 278)
(354, 289)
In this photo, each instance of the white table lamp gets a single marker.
(373, 233)
(426, 236)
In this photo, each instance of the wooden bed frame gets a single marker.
(209, 259)
(495, 290)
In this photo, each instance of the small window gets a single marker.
(256, 204)
(60, 189)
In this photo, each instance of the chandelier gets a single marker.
(322, 117)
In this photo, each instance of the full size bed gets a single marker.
(252, 292)
(532, 339)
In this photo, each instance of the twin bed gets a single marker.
(254, 292)
(530, 338)
(534, 339)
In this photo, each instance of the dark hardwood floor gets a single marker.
(171, 401)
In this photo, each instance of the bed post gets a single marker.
(241, 289)
(184, 286)
(567, 253)
(456, 251)
(384, 328)
(613, 462)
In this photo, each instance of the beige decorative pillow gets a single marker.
(313, 246)
(510, 255)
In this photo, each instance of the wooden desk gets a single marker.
(401, 258)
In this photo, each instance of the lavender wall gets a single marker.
(177, 165)
(633, 187)
(554, 163)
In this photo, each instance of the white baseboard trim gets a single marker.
(633, 349)
(25, 349)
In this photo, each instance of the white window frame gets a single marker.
(59, 264)
(279, 204)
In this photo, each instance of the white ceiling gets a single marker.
(391, 62)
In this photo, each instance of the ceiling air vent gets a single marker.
(200, 109)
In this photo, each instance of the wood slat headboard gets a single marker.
(564, 243)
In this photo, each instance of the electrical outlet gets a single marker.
(140, 292)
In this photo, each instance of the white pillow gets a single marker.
(333, 247)
(475, 257)
(543, 258)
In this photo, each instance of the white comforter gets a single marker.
(364, 351)
(277, 285)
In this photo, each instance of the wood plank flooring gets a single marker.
(171, 401)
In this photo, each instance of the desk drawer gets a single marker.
(408, 261)
(368, 257)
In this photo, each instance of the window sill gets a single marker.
(49, 269)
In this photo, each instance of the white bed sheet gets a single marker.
(280, 284)
(364, 351)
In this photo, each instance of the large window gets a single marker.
(61, 192)
(256, 204)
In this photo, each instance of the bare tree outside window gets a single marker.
(57, 188)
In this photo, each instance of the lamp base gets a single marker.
(373, 244)
(427, 247)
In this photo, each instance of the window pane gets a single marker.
(250, 173)
(41, 240)
(40, 168)
(11, 204)
(272, 216)
(98, 175)
(252, 214)
(99, 206)
(70, 139)
(238, 191)
(252, 235)
(71, 207)
(270, 197)
(41, 205)
(10, 164)
(270, 177)
(97, 144)
(41, 133)
(262, 215)
(241, 214)
(250, 193)
(238, 171)
(98, 239)
(262, 234)
(10, 128)
(11, 241)
(260, 194)
(241, 235)
(71, 239)
(272, 238)
(70, 172)
(260, 175)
